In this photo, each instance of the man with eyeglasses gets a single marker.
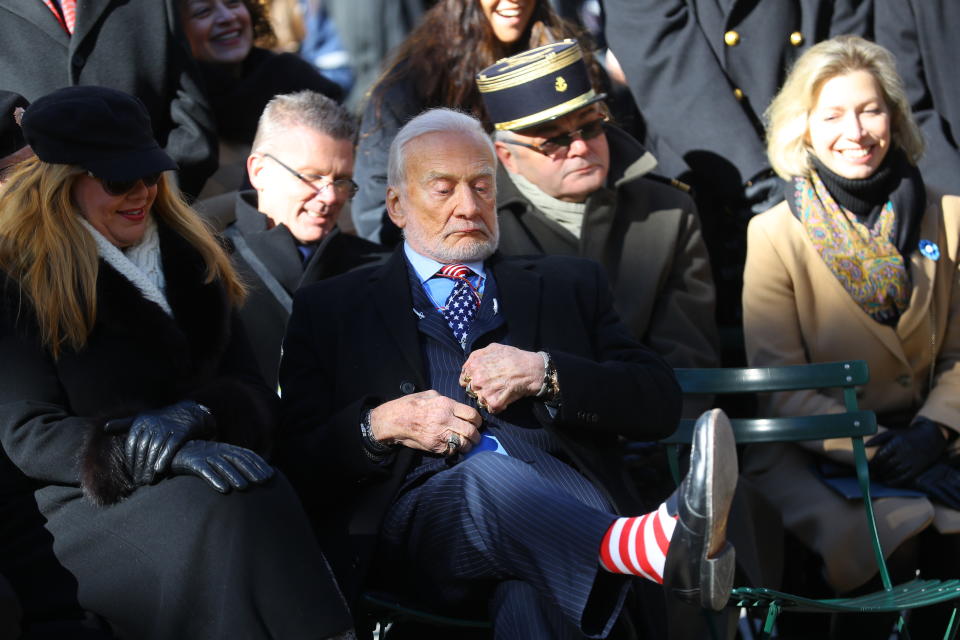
(283, 232)
(570, 183)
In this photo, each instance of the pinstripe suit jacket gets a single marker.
(353, 342)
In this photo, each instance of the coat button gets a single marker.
(732, 38)
(796, 38)
(738, 94)
(904, 380)
(406, 388)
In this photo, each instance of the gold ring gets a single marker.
(453, 443)
(482, 404)
(470, 391)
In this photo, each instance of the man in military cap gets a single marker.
(13, 147)
(571, 183)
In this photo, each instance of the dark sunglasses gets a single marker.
(123, 187)
(557, 145)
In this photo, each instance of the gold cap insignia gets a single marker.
(560, 84)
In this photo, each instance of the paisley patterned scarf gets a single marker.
(865, 260)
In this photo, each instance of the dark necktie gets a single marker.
(463, 301)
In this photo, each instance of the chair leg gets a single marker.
(951, 632)
(772, 612)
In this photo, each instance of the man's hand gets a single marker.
(499, 375)
(427, 421)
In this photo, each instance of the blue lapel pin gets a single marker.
(930, 250)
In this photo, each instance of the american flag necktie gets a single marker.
(463, 301)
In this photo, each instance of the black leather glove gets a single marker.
(223, 466)
(941, 482)
(763, 191)
(155, 436)
(904, 453)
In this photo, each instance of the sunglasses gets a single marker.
(558, 145)
(342, 187)
(123, 187)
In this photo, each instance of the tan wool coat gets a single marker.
(796, 311)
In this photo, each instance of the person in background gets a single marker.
(135, 47)
(13, 146)
(436, 67)
(228, 39)
(132, 418)
(860, 262)
(284, 231)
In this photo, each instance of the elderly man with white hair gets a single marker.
(451, 418)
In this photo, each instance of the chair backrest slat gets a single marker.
(823, 375)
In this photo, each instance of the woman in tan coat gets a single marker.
(859, 262)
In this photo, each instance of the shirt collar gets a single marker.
(426, 268)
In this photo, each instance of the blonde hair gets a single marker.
(54, 259)
(788, 114)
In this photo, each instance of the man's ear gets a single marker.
(394, 208)
(506, 156)
(255, 165)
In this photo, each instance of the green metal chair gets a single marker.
(854, 424)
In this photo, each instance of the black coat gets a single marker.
(353, 341)
(264, 317)
(702, 98)
(237, 102)
(136, 47)
(137, 357)
(921, 35)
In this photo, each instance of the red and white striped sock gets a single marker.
(638, 546)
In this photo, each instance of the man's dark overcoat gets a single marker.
(921, 35)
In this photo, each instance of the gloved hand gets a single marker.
(222, 465)
(763, 191)
(941, 482)
(155, 436)
(904, 453)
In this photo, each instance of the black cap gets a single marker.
(105, 131)
(11, 135)
(536, 86)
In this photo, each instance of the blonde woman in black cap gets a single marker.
(129, 402)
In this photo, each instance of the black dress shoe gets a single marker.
(700, 561)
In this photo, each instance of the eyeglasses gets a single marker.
(123, 187)
(342, 187)
(558, 145)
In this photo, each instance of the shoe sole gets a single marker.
(716, 571)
